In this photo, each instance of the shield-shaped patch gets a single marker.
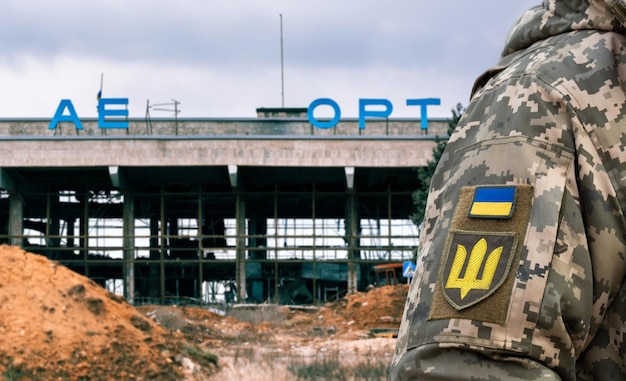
(476, 264)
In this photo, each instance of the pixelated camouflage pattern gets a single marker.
(551, 114)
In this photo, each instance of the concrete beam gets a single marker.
(349, 177)
(279, 152)
(117, 179)
(232, 174)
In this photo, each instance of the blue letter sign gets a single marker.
(365, 111)
(59, 117)
(327, 102)
(107, 118)
(423, 103)
(112, 122)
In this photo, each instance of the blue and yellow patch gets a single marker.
(478, 263)
(493, 202)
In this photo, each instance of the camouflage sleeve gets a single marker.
(521, 258)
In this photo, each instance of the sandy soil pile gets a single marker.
(57, 324)
(378, 308)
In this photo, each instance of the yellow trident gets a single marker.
(470, 280)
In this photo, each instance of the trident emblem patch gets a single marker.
(476, 264)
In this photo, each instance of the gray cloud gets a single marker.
(234, 46)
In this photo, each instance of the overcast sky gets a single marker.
(223, 58)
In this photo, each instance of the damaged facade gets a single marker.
(216, 210)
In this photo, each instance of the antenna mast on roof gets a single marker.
(99, 95)
(282, 72)
(159, 107)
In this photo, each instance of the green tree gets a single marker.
(424, 174)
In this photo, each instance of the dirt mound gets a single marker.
(380, 307)
(359, 312)
(57, 324)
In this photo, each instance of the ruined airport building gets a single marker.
(213, 210)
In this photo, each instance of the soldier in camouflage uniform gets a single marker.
(522, 260)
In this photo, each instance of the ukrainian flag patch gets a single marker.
(493, 202)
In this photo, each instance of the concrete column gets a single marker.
(198, 290)
(154, 280)
(162, 246)
(352, 230)
(129, 247)
(16, 219)
(70, 233)
(84, 232)
(54, 226)
(241, 248)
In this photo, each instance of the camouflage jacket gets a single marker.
(521, 266)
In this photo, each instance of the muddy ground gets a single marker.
(58, 325)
